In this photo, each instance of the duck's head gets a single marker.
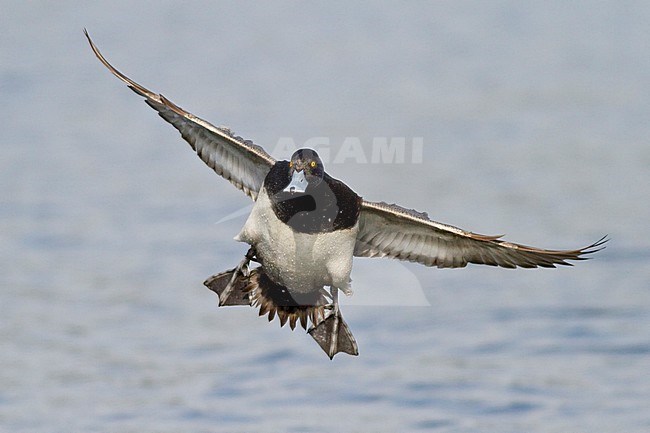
(306, 169)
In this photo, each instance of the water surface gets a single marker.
(534, 120)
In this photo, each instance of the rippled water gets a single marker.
(534, 119)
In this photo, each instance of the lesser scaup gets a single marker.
(305, 228)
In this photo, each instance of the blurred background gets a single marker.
(534, 119)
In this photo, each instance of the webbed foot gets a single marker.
(333, 335)
(235, 295)
(229, 285)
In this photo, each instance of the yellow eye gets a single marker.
(290, 164)
(312, 164)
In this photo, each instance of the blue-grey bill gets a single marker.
(298, 182)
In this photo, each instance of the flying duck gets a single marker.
(306, 226)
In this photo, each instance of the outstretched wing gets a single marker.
(388, 230)
(239, 161)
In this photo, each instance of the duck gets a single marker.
(305, 228)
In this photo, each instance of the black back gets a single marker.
(331, 205)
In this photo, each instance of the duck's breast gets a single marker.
(302, 262)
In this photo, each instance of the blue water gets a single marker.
(534, 119)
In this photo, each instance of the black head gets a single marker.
(306, 169)
(305, 198)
